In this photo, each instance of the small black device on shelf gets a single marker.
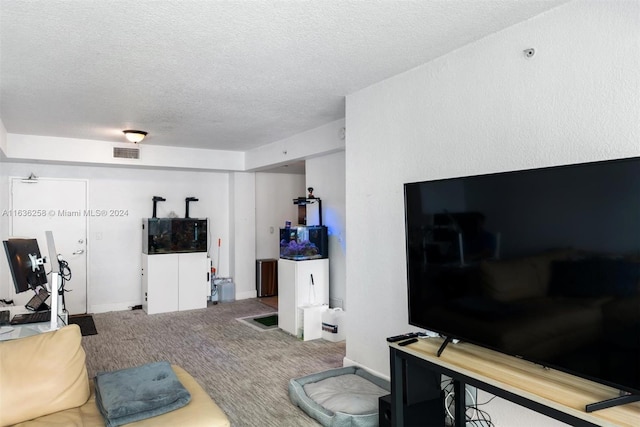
(406, 336)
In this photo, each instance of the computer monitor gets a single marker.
(26, 264)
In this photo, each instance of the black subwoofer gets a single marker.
(429, 413)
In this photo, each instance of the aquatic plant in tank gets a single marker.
(294, 249)
(303, 242)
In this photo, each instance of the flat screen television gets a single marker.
(542, 264)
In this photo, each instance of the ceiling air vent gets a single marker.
(126, 153)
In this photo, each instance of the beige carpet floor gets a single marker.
(246, 371)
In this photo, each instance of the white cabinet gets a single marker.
(300, 283)
(174, 282)
(159, 283)
(193, 281)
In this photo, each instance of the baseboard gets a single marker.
(123, 306)
(105, 308)
(247, 294)
(348, 362)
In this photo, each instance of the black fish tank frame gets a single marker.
(174, 235)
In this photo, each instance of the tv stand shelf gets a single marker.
(554, 393)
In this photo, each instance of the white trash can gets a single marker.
(333, 321)
(310, 317)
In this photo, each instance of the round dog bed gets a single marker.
(343, 397)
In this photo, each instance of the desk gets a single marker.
(21, 331)
(550, 392)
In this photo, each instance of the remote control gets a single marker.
(402, 337)
(406, 336)
(407, 342)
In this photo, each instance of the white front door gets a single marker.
(58, 205)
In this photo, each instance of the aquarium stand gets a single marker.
(301, 284)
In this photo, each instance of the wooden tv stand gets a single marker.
(548, 391)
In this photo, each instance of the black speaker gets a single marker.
(429, 413)
(384, 411)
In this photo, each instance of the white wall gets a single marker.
(323, 151)
(3, 139)
(4, 193)
(326, 174)
(48, 148)
(274, 205)
(482, 108)
(242, 228)
(319, 141)
(114, 261)
(231, 201)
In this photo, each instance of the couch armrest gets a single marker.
(42, 374)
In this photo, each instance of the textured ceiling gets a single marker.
(230, 75)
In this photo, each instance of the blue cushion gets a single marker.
(138, 393)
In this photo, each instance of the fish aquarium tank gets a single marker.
(173, 235)
(304, 242)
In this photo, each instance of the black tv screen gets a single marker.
(542, 264)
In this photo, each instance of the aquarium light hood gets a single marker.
(303, 201)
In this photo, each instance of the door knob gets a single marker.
(78, 252)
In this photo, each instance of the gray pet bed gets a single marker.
(343, 397)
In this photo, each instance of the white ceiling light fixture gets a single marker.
(134, 136)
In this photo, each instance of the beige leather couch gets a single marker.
(44, 382)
